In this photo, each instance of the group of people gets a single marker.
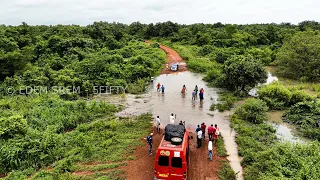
(194, 93)
(213, 134)
(172, 118)
(160, 87)
(183, 91)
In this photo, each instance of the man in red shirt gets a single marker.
(210, 132)
(203, 127)
(158, 87)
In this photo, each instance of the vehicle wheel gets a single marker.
(176, 140)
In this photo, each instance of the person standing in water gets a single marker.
(158, 124)
(162, 89)
(158, 87)
(184, 89)
(196, 89)
(201, 94)
(194, 94)
(172, 118)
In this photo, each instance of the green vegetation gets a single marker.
(45, 130)
(278, 97)
(266, 158)
(226, 173)
(61, 131)
(220, 147)
(299, 57)
(253, 111)
(100, 54)
(226, 100)
(306, 116)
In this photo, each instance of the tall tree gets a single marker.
(299, 57)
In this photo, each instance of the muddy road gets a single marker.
(172, 58)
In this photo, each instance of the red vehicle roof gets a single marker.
(167, 145)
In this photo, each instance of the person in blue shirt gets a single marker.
(162, 89)
(149, 141)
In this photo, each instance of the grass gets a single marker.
(220, 147)
(226, 173)
(52, 132)
(226, 100)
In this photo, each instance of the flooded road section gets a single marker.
(185, 109)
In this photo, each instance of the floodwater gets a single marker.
(185, 109)
(284, 131)
(270, 79)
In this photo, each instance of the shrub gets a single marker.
(275, 95)
(13, 125)
(299, 96)
(253, 110)
(305, 115)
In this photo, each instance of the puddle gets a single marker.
(185, 109)
(284, 131)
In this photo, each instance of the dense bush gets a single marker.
(266, 158)
(286, 161)
(101, 54)
(33, 139)
(299, 57)
(275, 95)
(279, 97)
(253, 110)
(11, 126)
(242, 73)
(306, 116)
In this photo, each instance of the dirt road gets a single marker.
(201, 168)
(172, 58)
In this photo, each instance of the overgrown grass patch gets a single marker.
(226, 100)
(226, 172)
(220, 147)
(38, 137)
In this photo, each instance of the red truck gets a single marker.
(172, 156)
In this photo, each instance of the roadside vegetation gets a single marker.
(42, 131)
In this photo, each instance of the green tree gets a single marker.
(242, 73)
(299, 57)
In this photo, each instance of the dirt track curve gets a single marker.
(200, 168)
(172, 58)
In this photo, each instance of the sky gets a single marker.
(84, 12)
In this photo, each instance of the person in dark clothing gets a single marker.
(199, 136)
(149, 141)
(198, 129)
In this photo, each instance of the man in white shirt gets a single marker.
(199, 138)
(158, 124)
(210, 150)
(172, 118)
